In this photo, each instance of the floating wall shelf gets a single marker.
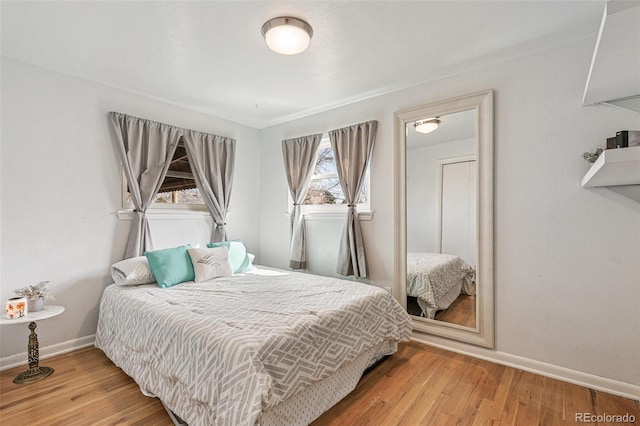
(615, 167)
(614, 76)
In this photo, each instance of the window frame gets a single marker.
(333, 211)
(163, 210)
(128, 205)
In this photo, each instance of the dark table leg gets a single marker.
(35, 372)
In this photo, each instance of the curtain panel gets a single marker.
(146, 148)
(299, 156)
(352, 149)
(212, 160)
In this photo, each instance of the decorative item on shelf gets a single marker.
(35, 295)
(592, 156)
(16, 307)
(627, 138)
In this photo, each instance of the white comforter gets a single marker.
(221, 352)
(431, 275)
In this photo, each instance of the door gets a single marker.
(458, 210)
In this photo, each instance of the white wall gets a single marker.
(566, 258)
(423, 168)
(61, 189)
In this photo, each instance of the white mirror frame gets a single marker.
(483, 333)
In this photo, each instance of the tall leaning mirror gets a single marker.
(444, 211)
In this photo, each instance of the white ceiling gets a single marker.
(211, 57)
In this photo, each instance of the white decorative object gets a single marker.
(210, 263)
(35, 304)
(16, 307)
(132, 271)
(35, 291)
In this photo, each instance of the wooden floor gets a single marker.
(462, 312)
(419, 385)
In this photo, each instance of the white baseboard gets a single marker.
(48, 351)
(626, 390)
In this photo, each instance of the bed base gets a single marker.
(300, 410)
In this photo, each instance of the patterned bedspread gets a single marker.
(223, 351)
(432, 275)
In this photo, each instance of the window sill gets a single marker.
(169, 214)
(365, 215)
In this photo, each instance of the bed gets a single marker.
(436, 280)
(266, 347)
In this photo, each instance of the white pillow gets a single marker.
(133, 271)
(209, 263)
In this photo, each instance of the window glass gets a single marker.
(325, 188)
(178, 186)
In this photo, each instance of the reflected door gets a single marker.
(458, 210)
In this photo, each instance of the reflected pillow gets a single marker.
(237, 255)
(210, 263)
(132, 271)
(171, 266)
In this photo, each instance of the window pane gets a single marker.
(325, 164)
(325, 191)
(164, 197)
(325, 186)
(190, 196)
(186, 196)
(178, 186)
(329, 191)
(364, 192)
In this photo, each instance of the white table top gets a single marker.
(48, 312)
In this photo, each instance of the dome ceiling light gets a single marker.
(426, 126)
(287, 35)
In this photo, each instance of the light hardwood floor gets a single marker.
(462, 312)
(419, 385)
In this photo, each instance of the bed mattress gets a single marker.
(432, 276)
(226, 351)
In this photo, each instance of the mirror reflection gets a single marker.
(441, 217)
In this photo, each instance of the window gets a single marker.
(325, 192)
(178, 189)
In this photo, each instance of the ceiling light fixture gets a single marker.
(287, 35)
(426, 126)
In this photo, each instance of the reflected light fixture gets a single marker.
(287, 35)
(426, 126)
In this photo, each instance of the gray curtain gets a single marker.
(299, 162)
(352, 148)
(145, 149)
(212, 160)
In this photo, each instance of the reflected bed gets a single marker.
(436, 280)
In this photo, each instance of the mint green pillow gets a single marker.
(238, 257)
(171, 266)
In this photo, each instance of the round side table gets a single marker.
(35, 372)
